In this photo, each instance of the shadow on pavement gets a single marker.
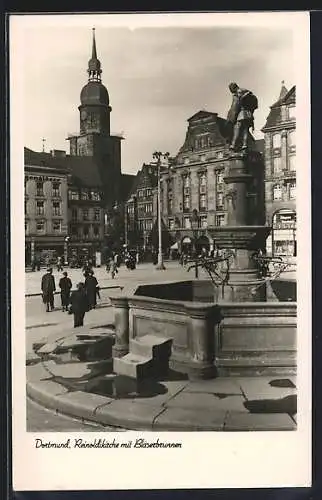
(287, 404)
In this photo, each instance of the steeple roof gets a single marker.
(94, 65)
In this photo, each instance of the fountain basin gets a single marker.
(211, 339)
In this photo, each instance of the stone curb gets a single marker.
(27, 295)
(127, 414)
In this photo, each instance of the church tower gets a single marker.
(94, 139)
(94, 112)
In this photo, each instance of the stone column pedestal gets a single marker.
(121, 312)
(201, 336)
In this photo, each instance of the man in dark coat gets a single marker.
(48, 288)
(91, 286)
(65, 286)
(79, 304)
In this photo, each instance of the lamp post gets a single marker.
(158, 155)
(66, 250)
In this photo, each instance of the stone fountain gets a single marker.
(202, 333)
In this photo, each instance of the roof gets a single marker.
(202, 114)
(275, 115)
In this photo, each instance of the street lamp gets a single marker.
(158, 155)
(66, 250)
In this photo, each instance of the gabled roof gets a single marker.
(146, 177)
(275, 114)
(202, 114)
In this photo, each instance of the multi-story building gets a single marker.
(97, 189)
(141, 208)
(193, 188)
(280, 173)
(46, 215)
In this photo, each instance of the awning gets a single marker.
(174, 246)
(186, 240)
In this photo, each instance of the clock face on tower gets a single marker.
(83, 114)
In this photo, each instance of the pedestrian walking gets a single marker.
(113, 269)
(65, 286)
(79, 304)
(60, 266)
(91, 285)
(48, 288)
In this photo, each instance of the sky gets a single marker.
(157, 77)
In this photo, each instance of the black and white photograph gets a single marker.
(160, 174)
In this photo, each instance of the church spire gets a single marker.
(94, 66)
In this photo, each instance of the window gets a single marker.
(26, 207)
(186, 202)
(148, 192)
(210, 143)
(26, 227)
(40, 226)
(96, 231)
(220, 220)
(56, 226)
(56, 189)
(85, 213)
(149, 208)
(149, 225)
(292, 190)
(171, 224)
(203, 221)
(292, 163)
(186, 181)
(292, 112)
(170, 205)
(219, 181)
(84, 194)
(202, 201)
(277, 192)
(73, 230)
(291, 138)
(220, 200)
(56, 208)
(95, 196)
(73, 195)
(130, 209)
(86, 232)
(74, 214)
(140, 193)
(187, 223)
(40, 208)
(202, 183)
(276, 140)
(97, 214)
(277, 165)
(39, 188)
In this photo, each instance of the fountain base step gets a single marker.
(151, 346)
(133, 365)
(148, 357)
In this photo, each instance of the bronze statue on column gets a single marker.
(240, 118)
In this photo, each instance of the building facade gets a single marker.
(94, 189)
(141, 209)
(194, 194)
(280, 173)
(46, 208)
